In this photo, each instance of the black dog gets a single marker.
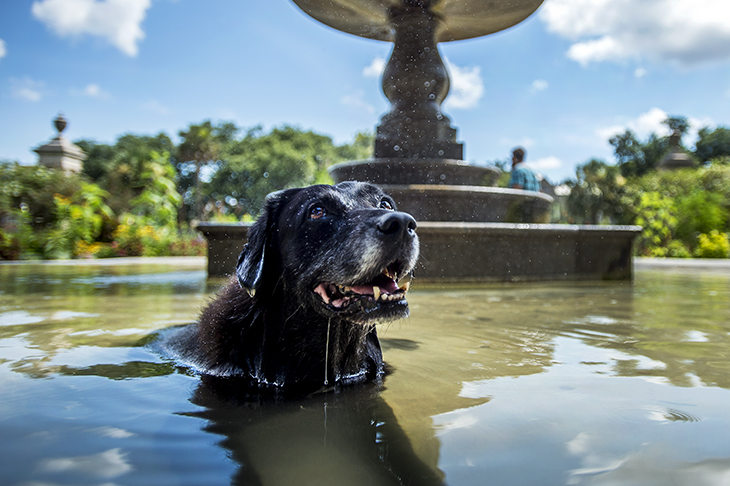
(322, 266)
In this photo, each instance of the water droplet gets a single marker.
(396, 148)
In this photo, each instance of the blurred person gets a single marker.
(522, 176)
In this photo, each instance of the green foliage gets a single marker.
(713, 245)
(655, 215)
(674, 207)
(197, 157)
(261, 163)
(677, 123)
(159, 200)
(712, 144)
(683, 212)
(133, 200)
(596, 195)
(78, 219)
(635, 158)
(699, 212)
(119, 168)
(360, 149)
(31, 189)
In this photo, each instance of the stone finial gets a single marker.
(59, 153)
(60, 123)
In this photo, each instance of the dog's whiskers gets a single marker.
(327, 352)
(294, 313)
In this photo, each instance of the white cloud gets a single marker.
(26, 89)
(640, 72)
(91, 90)
(356, 100)
(375, 69)
(651, 122)
(684, 32)
(117, 21)
(643, 125)
(107, 464)
(545, 163)
(466, 87)
(3, 50)
(538, 85)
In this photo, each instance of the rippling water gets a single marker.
(549, 384)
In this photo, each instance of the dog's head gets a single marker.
(342, 250)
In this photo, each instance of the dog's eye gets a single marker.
(317, 212)
(385, 204)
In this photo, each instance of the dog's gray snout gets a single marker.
(396, 223)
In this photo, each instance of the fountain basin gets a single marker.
(427, 202)
(476, 252)
(464, 252)
(415, 171)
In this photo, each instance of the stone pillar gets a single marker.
(60, 153)
(416, 82)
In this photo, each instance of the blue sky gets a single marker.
(559, 84)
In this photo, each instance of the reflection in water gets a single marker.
(560, 383)
(348, 438)
(108, 464)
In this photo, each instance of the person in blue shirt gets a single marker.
(522, 176)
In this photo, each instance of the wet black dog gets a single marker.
(323, 265)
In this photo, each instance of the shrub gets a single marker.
(655, 216)
(699, 212)
(713, 245)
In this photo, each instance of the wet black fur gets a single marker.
(269, 326)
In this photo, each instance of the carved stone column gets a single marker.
(416, 82)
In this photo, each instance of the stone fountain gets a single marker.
(469, 230)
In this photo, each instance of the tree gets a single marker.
(636, 158)
(197, 157)
(713, 143)
(360, 149)
(260, 163)
(595, 195)
(677, 123)
(99, 158)
(118, 169)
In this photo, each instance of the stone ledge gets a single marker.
(467, 252)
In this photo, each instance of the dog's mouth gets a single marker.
(389, 287)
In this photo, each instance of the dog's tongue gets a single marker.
(388, 287)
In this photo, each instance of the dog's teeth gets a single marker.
(346, 289)
(405, 287)
(376, 293)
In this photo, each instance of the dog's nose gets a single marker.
(397, 223)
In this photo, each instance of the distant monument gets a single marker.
(60, 153)
(676, 158)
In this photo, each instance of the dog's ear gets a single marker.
(258, 254)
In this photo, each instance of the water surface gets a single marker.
(552, 383)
